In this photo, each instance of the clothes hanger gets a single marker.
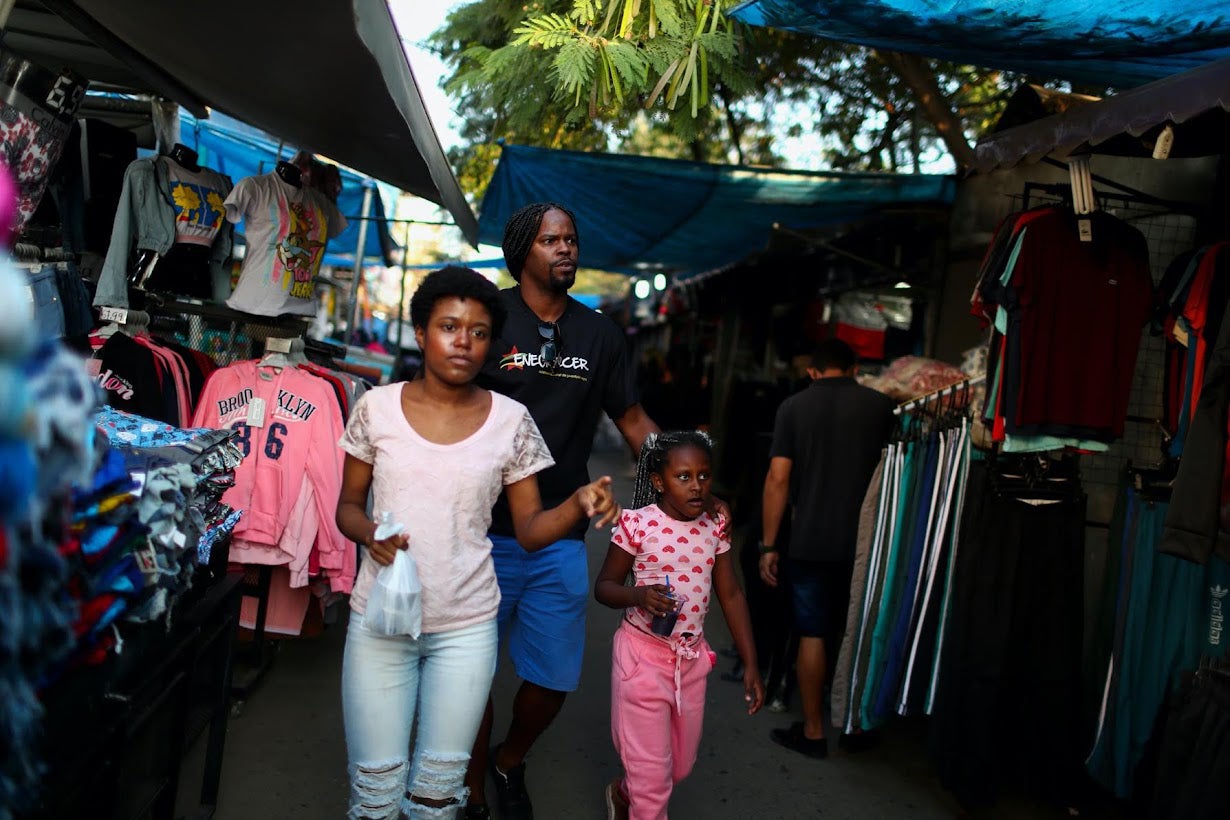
(278, 352)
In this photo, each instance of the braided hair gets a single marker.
(655, 452)
(521, 230)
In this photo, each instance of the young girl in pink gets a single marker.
(677, 552)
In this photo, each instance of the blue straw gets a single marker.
(668, 582)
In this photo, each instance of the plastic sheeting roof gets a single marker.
(1120, 44)
(635, 213)
(330, 75)
(238, 150)
(1197, 101)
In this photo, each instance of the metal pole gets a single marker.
(401, 305)
(358, 258)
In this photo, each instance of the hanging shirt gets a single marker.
(281, 451)
(287, 229)
(682, 551)
(197, 199)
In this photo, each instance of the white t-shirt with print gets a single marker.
(443, 494)
(287, 229)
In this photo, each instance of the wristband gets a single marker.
(764, 548)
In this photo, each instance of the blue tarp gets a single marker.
(636, 212)
(238, 150)
(1117, 44)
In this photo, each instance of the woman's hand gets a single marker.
(655, 599)
(596, 499)
(384, 551)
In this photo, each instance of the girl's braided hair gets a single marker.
(522, 228)
(655, 452)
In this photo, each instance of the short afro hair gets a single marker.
(463, 283)
(521, 230)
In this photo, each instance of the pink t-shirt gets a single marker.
(443, 494)
(684, 550)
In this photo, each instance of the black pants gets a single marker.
(1193, 776)
(1007, 706)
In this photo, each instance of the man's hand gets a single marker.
(596, 499)
(384, 551)
(753, 689)
(719, 510)
(768, 568)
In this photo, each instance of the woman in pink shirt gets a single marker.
(436, 452)
(679, 555)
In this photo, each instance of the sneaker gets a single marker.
(616, 803)
(477, 811)
(510, 790)
(778, 704)
(794, 740)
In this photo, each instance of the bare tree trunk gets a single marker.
(915, 72)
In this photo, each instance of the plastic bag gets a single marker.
(395, 605)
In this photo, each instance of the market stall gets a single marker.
(167, 359)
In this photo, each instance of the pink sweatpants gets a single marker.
(656, 729)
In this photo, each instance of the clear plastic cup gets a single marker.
(664, 625)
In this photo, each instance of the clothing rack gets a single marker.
(936, 395)
(1063, 192)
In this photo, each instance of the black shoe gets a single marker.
(510, 790)
(477, 811)
(794, 740)
(859, 742)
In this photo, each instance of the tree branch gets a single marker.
(736, 133)
(916, 74)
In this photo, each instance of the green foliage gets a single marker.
(679, 78)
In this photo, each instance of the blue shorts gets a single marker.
(820, 593)
(543, 599)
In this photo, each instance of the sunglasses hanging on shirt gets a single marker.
(552, 344)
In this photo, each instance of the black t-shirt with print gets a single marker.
(133, 380)
(592, 377)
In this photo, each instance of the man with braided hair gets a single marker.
(567, 364)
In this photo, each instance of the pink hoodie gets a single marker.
(294, 446)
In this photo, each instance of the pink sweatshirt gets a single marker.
(293, 446)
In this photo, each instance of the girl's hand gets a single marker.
(596, 499)
(383, 552)
(753, 689)
(655, 600)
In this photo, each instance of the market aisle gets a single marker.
(285, 757)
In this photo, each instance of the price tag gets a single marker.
(113, 314)
(1085, 228)
(256, 413)
(1180, 334)
(147, 561)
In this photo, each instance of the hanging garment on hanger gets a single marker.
(1012, 642)
(1166, 623)
(155, 212)
(282, 415)
(1199, 518)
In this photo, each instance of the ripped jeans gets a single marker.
(445, 677)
